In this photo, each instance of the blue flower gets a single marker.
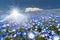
(49, 39)
(14, 35)
(31, 35)
(48, 31)
(5, 34)
(56, 37)
(19, 34)
(1, 38)
(25, 32)
(1, 24)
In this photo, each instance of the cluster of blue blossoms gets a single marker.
(47, 28)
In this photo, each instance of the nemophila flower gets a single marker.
(5, 34)
(1, 24)
(35, 29)
(49, 18)
(1, 37)
(38, 23)
(14, 35)
(59, 29)
(56, 37)
(33, 23)
(8, 24)
(49, 39)
(46, 34)
(30, 22)
(14, 26)
(56, 22)
(48, 31)
(52, 32)
(42, 19)
(41, 25)
(57, 18)
(44, 30)
(4, 30)
(31, 35)
(58, 25)
(26, 26)
(36, 26)
(24, 32)
(13, 30)
(1, 28)
(4, 25)
(19, 34)
(46, 27)
(35, 32)
(42, 35)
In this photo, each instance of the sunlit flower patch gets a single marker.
(36, 28)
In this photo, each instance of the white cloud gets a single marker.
(32, 9)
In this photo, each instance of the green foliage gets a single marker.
(53, 27)
(20, 29)
(39, 38)
(39, 29)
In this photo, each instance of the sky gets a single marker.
(44, 4)
(28, 5)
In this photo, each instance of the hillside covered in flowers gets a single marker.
(40, 25)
